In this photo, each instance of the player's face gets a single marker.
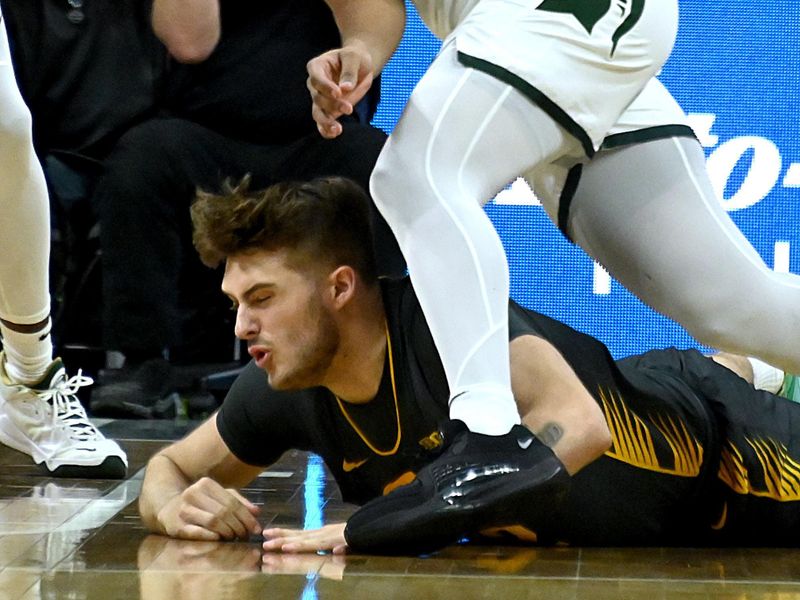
(280, 312)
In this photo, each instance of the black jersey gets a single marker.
(361, 444)
(697, 456)
(87, 71)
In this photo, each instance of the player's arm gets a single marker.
(190, 29)
(371, 31)
(189, 489)
(737, 363)
(554, 403)
(373, 26)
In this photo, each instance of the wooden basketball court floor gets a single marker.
(82, 539)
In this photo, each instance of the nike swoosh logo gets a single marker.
(348, 465)
(524, 444)
(43, 337)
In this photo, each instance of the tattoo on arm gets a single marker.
(550, 434)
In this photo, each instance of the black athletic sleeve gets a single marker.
(259, 424)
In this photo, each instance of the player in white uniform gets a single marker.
(40, 413)
(538, 88)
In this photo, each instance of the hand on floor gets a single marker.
(327, 538)
(207, 511)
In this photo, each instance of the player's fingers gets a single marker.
(330, 131)
(235, 516)
(322, 75)
(210, 521)
(229, 505)
(332, 108)
(220, 511)
(328, 127)
(274, 543)
(321, 98)
(245, 502)
(297, 541)
(276, 538)
(294, 544)
(353, 65)
(355, 96)
(196, 533)
(321, 116)
(280, 531)
(247, 512)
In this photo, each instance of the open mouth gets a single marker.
(259, 355)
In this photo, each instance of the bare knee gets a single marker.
(736, 363)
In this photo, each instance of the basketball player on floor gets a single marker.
(562, 92)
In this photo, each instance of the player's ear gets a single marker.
(342, 282)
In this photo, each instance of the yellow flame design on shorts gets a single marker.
(632, 439)
(780, 473)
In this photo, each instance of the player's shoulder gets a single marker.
(251, 389)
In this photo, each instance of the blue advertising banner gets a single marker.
(735, 70)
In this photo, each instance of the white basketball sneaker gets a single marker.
(47, 421)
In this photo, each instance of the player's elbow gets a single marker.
(187, 42)
(192, 51)
(586, 437)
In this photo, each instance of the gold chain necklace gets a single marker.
(353, 424)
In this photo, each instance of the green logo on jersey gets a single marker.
(589, 12)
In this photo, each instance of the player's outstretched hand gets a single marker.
(327, 538)
(207, 511)
(337, 80)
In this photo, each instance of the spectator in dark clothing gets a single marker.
(237, 105)
(88, 72)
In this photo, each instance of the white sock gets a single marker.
(482, 412)
(27, 355)
(765, 376)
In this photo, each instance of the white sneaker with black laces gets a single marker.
(46, 421)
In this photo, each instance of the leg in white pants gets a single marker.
(45, 420)
(24, 234)
(648, 213)
(462, 137)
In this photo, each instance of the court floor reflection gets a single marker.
(82, 540)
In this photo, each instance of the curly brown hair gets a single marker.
(324, 222)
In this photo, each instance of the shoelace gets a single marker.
(67, 409)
